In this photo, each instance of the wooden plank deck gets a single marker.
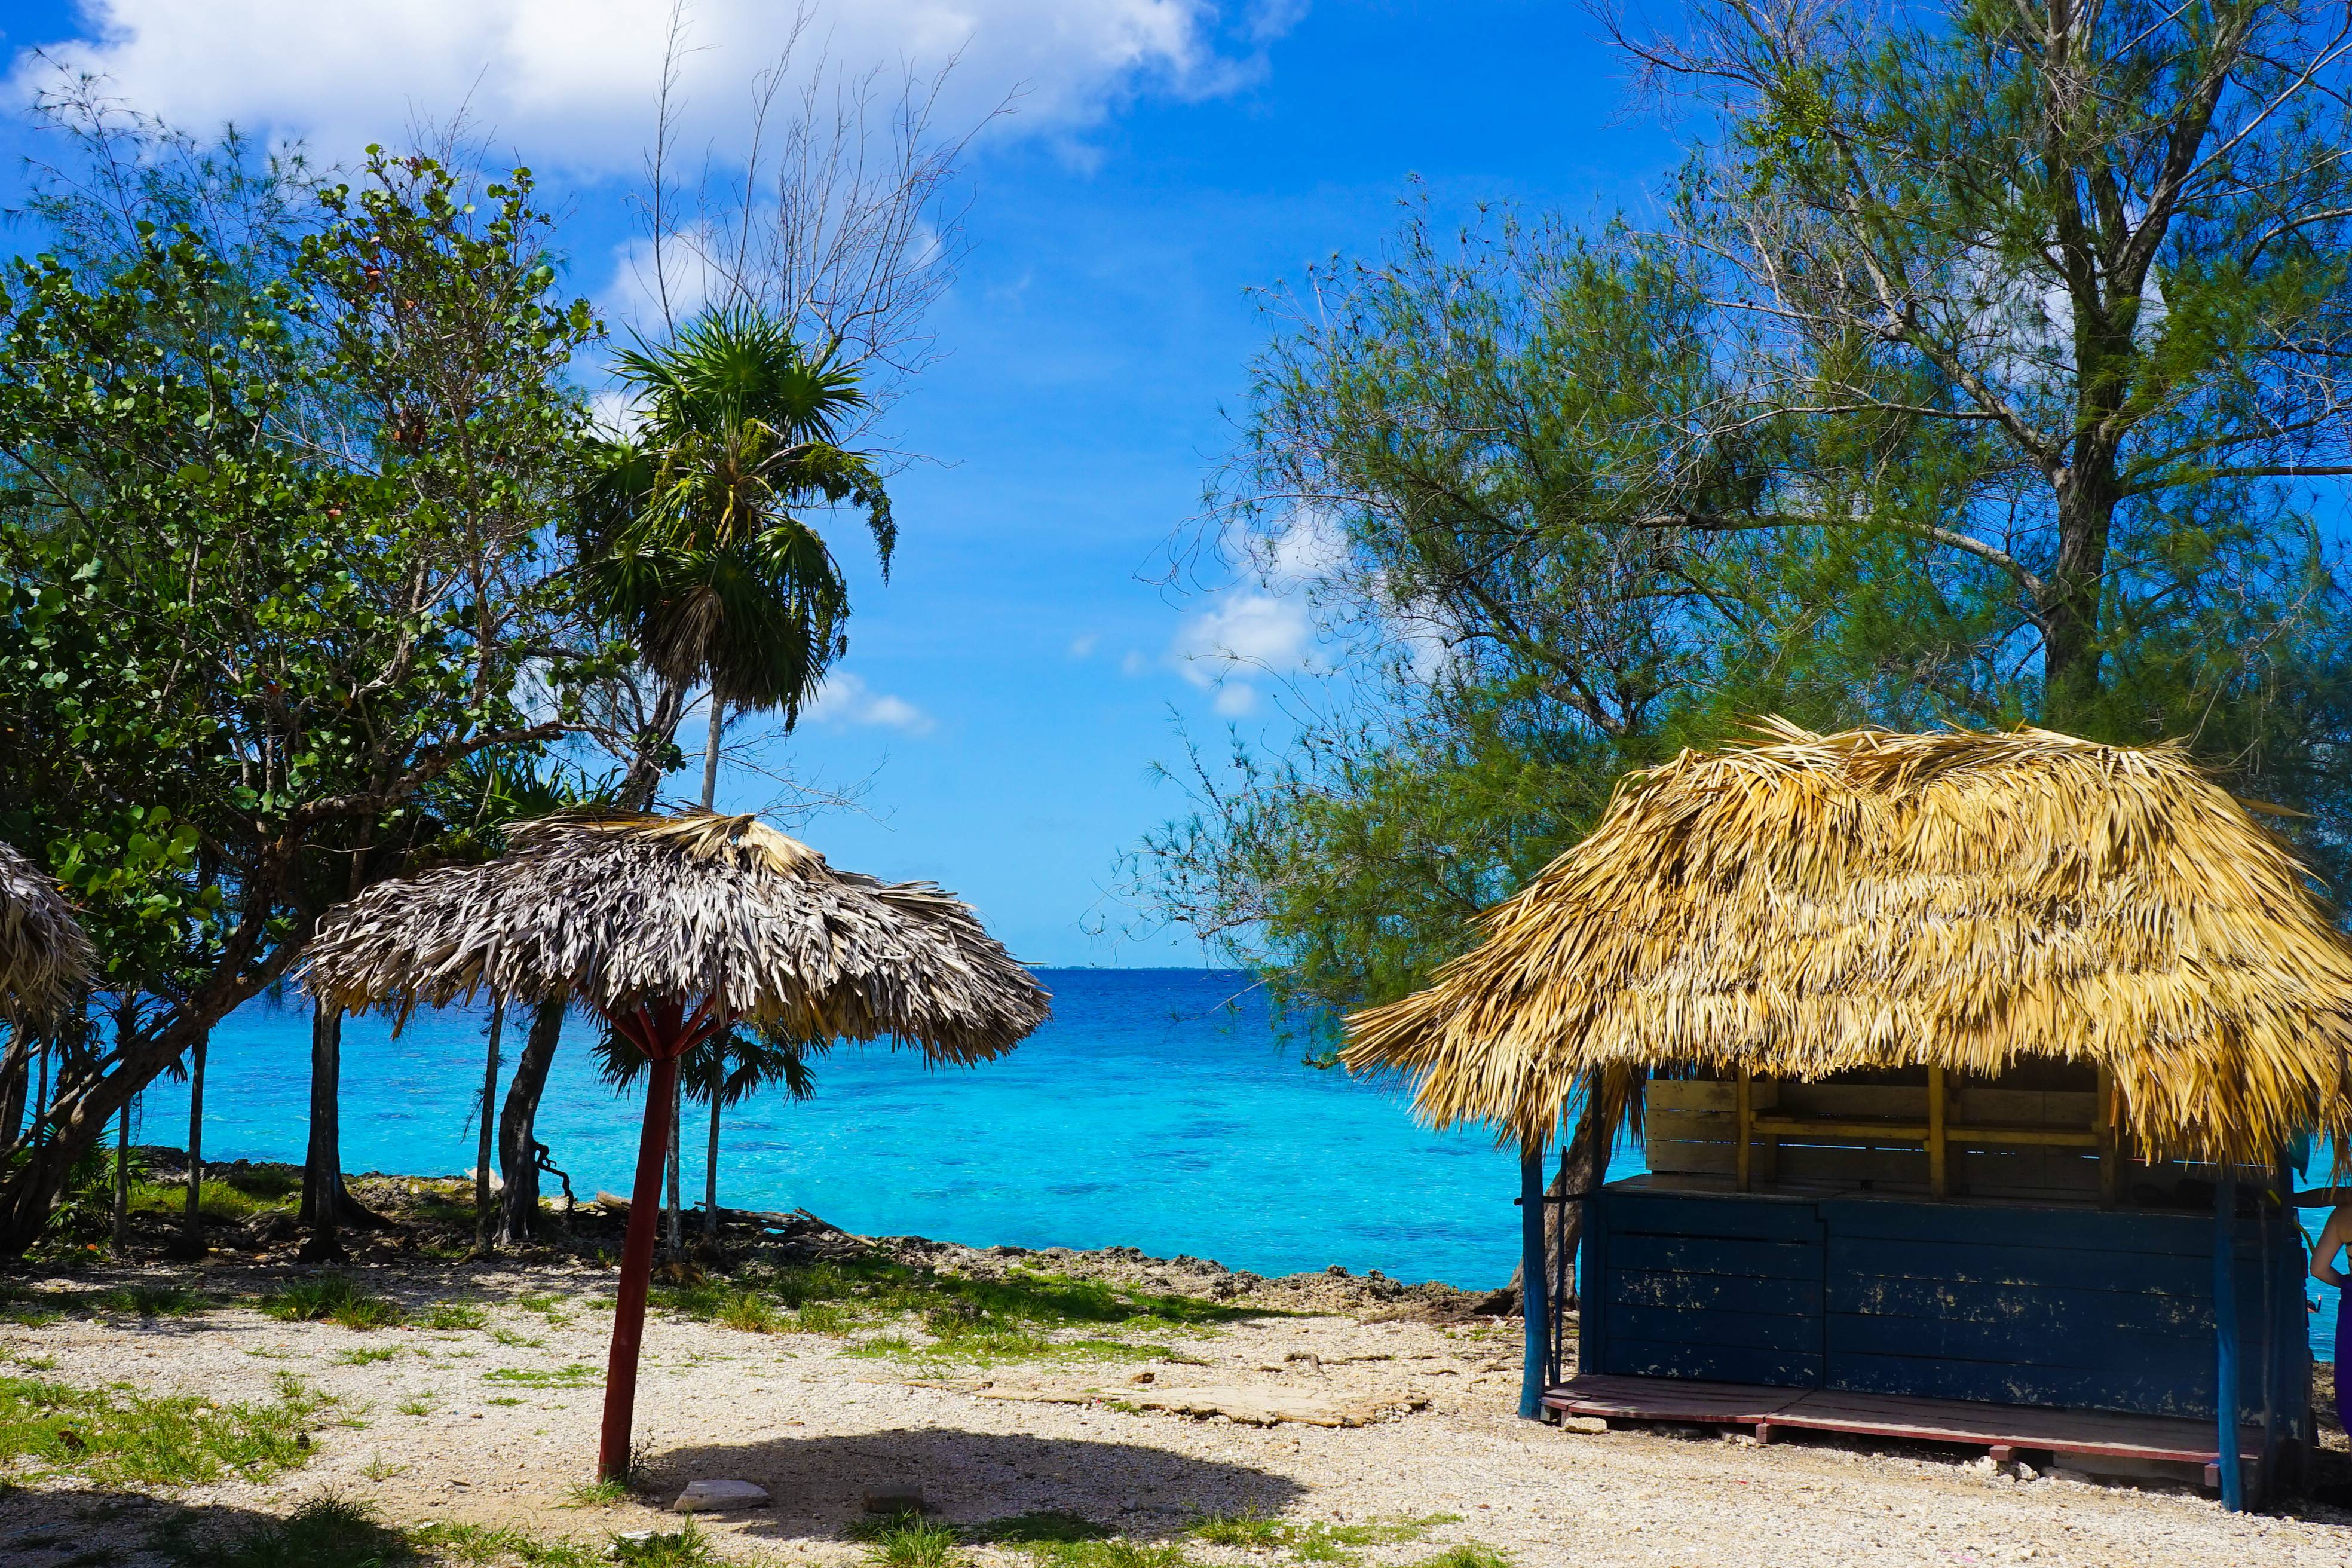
(2003, 1429)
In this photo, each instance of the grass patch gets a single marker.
(151, 1301)
(1315, 1542)
(907, 1541)
(572, 1376)
(330, 1532)
(1050, 1528)
(414, 1407)
(513, 1340)
(325, 1532)
(449, 1315)
(222, 1202)
(1469, 1554)
(331, 1298)
(366, 1355)
(607, 1493)
(1115, 1553)
(1023, 1315)
(503, 1399)
(1249, 1528)
(181, 1440)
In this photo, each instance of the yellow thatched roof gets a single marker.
(1815, 903)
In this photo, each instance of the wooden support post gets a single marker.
(1534, 1276)
(1744, 1098)
(1939, 1182)
(2103, 1124)
(2225, 1335)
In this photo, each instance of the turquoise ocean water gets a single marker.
(1155, 1110)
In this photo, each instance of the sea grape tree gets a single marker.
(276, 554)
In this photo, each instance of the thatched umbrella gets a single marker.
(1815, 903)
(672, 928)
(45, 958)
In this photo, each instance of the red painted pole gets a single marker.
(637, 1274)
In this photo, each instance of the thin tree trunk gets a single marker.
(482, 1145)
(676, 1096)
(193, 1243)
(710, 752)
(121, 1182)
(517, 1142)
(711, 1172)
(322, 1166)
(1578, 1172)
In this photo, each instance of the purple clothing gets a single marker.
(2343, 1339)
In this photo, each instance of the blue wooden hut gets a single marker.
(1967, 1067)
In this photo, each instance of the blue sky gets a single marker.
(1007, 694)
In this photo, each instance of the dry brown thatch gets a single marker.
(45, 958)
(1816, 903)
(621, 911)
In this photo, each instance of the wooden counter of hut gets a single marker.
(671, 928)
(45, 958)
(1960, 902)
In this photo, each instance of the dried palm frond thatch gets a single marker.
(622, 911)
(45, 958)
(1815, 903)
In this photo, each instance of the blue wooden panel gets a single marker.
(1970, 1263)
(2088, 1348)
(2053, 1309)
(1716, 1292)
(2076, 1230)
(2170, 1390)
(1674, 1214)
(1592, 1298)
(1755, 1330)
(1718, 1255)
(1714, 1364)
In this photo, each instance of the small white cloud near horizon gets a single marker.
(845, 699)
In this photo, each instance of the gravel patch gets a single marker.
(495, 1424)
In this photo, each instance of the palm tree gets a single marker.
(694, 529)
(724, 1070)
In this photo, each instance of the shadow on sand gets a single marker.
(819, 1484)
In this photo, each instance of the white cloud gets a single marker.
(1245, 629)
(1133, 664)
(1236, 699)
(845, 699)
(572, 81)
(1082, 647)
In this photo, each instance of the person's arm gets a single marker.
(2332, 1237)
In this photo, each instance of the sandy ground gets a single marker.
(819, 1427)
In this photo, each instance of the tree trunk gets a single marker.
(2070, 679)
(121, 1182)
(482, 1144)
(322, 1167)
(1579, 1172)
(710, 752)
(711, 1172)
(677, 1095)
(193, 1242)
(517, 1144)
